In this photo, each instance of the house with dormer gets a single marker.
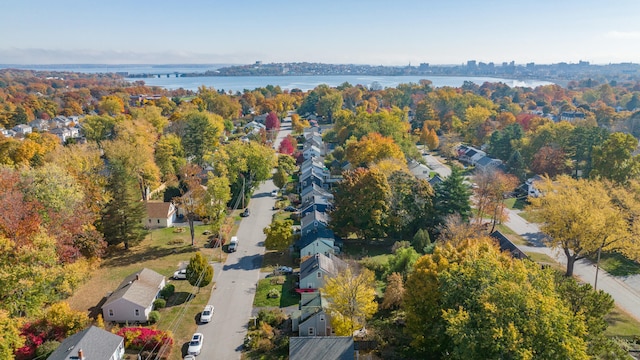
(314, 220)
(315, 203)
(132, 300)
(314, 269)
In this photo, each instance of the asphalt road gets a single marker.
(237, 278)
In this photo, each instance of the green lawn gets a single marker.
(515, 203)
(284, 284)
(621, 324)
(618, 265)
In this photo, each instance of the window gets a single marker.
(311, 331)
(158, 221)
(319, 274)
(321, 317)
(110, 312)
(136, 312)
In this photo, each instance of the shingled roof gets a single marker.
(139, 288)
(320, 348)
(94, 342)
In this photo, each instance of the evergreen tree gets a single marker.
(123, 214)
(452, 196)
(516, 166)
(421, 240)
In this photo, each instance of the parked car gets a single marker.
(290, 208)
(180, 274)
(195, 345)
(284, 270)
(245, 213)
(233, 244)
(206, 314)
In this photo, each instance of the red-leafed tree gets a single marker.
(272, 122)
(21, 217)
(549, 160)
(288, 145)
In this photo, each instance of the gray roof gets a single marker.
(312, 217)
(141, 290)
(96, 344)
(319, 190)
(321, 348)
(328, 264)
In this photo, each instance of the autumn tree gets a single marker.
(193, 195)
(489, 194)
(394, 292)
(432, 141)
(287, 145)
(272, 122)
(169, 156)
(579, 218)
(279, 235)
(280, 178)
(372, 148)
(475, 302)
(199, 271)
(361, 204)
(410, 205)
(421, 240)
(11, 339)
(216, 197)
(550, 161)
(351, 298)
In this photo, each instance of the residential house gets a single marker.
(486, 162)
(309, 151)
(419, 170)
(317, 241)
(313, 190)
(532, 190)
(254, 127)
(470, 154)
(22, 129)
(40, 125)
(62, 121)
(65, 133)
(132, 301)
(314, 269)
(314, 220)
(315, 203)
(260, 118)
(7, 133)
(313, 162)
(572, 116)
(321, 348)
(435, 180)
(313, 176)
(311, 319)
(159, 215)
(91, 343)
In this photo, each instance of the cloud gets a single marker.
(624, 35)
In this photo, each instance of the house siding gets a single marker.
(124, 311)
(317, 247)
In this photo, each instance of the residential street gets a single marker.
(237, 278)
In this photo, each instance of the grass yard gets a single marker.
(515, 203)
(621, 324)
(530, 217)
(358, 249)
(617, 264)
(285, 285)
(272, 259)
(164, 251)
(511, 235)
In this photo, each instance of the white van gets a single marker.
(233, 244)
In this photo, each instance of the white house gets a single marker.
(22, 129)
(159, 215)
(133, 300)
(91, 343)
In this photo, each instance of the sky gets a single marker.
(373, 32)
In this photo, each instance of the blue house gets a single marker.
(315, 203)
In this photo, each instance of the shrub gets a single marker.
(167, 291)
(159, 303)
(141, 338)
(154, 316)
(272, 317)
(273, 293)
(44, 350)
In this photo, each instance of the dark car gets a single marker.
(290, 208)
(245, 213)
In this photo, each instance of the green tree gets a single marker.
(98, 128)
(287, 163)
(199, 272)
(361, 204)
(351, 298)
(280, 178)
(215, 201)
(474, 302)
(201, 136)
(169, 156)
(421, 240)
(402, 260)
(329, 104)
(410, 206)
(452, 196)
(122, 216)
(614, 159)
(279, 235)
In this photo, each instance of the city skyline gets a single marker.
(371, 32)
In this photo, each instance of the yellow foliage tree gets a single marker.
(432, 140)
(351, 300)
(373, 148)
(580, 218)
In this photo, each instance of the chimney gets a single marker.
(80, 354)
